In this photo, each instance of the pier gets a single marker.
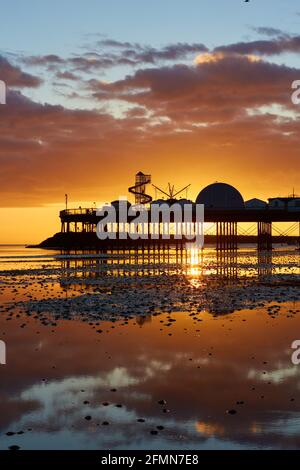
(224, 208)
(84, 221)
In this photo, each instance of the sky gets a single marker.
(189, 92)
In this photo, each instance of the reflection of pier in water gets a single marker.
(225, 281)
(163, 261)
(264, 264)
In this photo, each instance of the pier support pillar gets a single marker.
(226, 236)
(264, 236)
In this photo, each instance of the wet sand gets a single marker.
(108, 356)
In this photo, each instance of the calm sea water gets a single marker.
(149, 350)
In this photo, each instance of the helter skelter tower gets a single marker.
(139, 189)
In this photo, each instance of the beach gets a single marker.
(149, 350)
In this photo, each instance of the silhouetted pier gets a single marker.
(224, 207)
(84, 221)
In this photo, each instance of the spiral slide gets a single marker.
(139, 189)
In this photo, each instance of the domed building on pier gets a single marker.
(221, 196)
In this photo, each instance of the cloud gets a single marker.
(110, 53)
(149, 55)
(218, 85)
(45, 148)
(208, 118)
(267, 31)
(117, 44)
(276, 46)
(46, 151)
(67, 76)
(13, 76)
(49, 59)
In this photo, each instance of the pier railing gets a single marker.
(78, 211)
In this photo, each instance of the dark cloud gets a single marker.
(87, 62)
(117, 44)
(172, 52)
(267, 31)
(111, 53)
(50, 59)
(276, 46)
(67, 76)
(13, 76)
(90, 62)
(145, 54)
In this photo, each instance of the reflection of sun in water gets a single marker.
(193, 261)
(255, 428)
(209, 429)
